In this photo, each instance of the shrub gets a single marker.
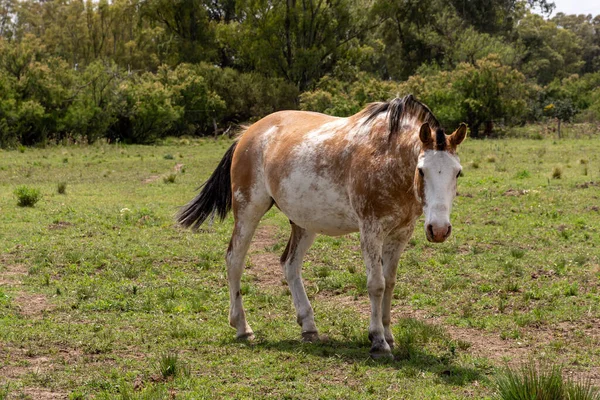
(62, 188)
(556, 173)
(169, 365)
(169, 178)
(531, 382)
(26, 196)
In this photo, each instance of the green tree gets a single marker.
(587, 30)
(297, 40)
(479, 93)
(547, 51)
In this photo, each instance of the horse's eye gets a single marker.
(459, 174)
(421, 172)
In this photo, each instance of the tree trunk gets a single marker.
(558, 128)
(489, 127)
(474, 129)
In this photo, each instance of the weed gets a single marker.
(61, 188)
(169, 365)
(323, 272)
(26, 196)
(170, 178)
(491, 158)
(511, 286)
(531, 382)
(130, 271)
(168, 157)
(517, 253)
(580, 259)
(4, 392)
(571, 290)
(523, 174)
(557, 173)
(474, 164)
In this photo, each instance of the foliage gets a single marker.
(27, 196)
(73, 70)
(336, 97)
(475, 94)
(544, 383)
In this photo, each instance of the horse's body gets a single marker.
(372, 172)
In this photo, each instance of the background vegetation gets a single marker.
(138, 70)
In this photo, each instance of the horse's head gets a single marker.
(435, 178)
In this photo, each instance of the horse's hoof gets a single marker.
(246, 337)
(390, 343)
(310, 337)
(381, 355)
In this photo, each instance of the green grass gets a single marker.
(542, 383)
(99, 286)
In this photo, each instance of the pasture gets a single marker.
(102, 296)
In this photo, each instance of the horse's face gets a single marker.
(438, 169)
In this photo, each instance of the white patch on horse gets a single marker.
(440, 170)
(315, 201)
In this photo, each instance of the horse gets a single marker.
(374, 172)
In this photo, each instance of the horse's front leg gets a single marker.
(393, 246)
(371, 240)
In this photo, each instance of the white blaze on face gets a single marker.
(440, 170)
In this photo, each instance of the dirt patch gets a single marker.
(59, 225)
(12, 272)
(18, 363)
(586, 185)
(515, 192)
(265, 267)
(151, 178)
(32, 305)
(44, 394)
(178, 167)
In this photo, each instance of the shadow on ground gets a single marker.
(419, 348)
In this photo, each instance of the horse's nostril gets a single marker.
(430, 230)
(449, 230)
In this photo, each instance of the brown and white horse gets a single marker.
(374, 172)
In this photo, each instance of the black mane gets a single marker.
(400, 112)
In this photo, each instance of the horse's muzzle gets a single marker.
(438, 233)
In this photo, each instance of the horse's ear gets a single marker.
(425, 134)
(458, 135)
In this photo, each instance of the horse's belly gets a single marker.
(319, 206)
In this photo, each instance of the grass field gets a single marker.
(102, 296)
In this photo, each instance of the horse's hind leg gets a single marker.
(247, 215)
(291, 260)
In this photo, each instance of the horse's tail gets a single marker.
(214, 198)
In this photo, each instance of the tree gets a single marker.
(478, 93)
(547, 51)
(299, 40)
(588, 31)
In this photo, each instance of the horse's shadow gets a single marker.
(411, 359)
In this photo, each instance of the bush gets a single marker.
(344, 98)
(62, 188)
(26, 196)
(532, 382)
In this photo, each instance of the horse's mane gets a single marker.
(402, 113)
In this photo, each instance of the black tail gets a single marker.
(214, 198)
